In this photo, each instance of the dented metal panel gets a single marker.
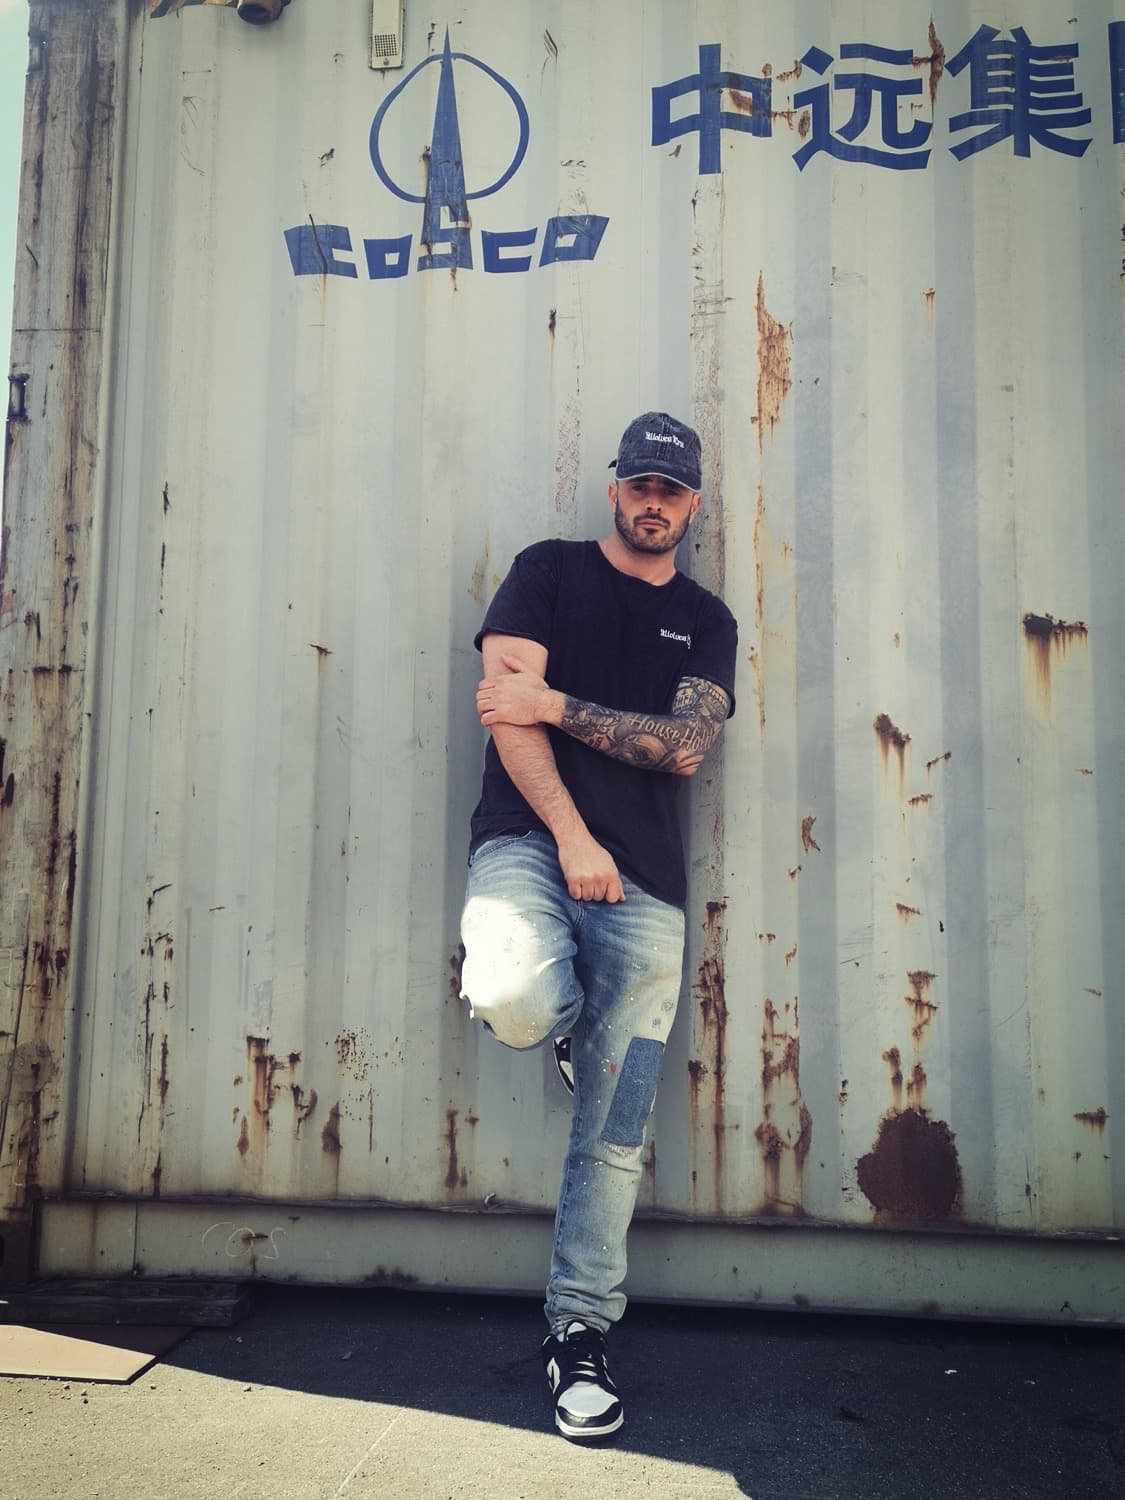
(376, 332)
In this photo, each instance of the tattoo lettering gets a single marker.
(652, 742)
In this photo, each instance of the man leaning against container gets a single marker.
(608, 675)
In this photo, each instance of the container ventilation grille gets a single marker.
(386, 33)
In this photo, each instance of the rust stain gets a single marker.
(786, 1125)
(891, 737)
(935, 61)
(790, 73)
(893, 1059)
(916, 1088)
(1095, 1117)
(921, 799)
(755, 653)
(244, 1137)
(906, 912)
(795, 871)
(709, 992)
(767, 937)
(804, 124)
(321, 651)
(923, 1007)
(743, 103)
(1044, 634)
(303, 1105)
(759, 574)
(330, 1135)
(791, 955)
(912, 1171)
(781, 1050)
(774, 381)
(1090, 991)
(1084, 770)
(262, 1066)
(456, 964)
(807, 840)
(351, 1054)
(928, 296)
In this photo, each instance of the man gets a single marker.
(608, 674)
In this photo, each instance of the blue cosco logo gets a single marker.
(447, 232)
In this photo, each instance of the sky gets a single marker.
(13, 69)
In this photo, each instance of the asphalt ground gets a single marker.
(328, 1393)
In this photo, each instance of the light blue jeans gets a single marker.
(539, 964)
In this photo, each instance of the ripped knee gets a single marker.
(513, 1013)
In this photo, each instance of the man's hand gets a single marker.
(521, 696)
(589, 870)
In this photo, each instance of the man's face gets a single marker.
(652, 513)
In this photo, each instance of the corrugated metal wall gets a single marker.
(902, 998)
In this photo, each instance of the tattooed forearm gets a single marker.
(653, 742)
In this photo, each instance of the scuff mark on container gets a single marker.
(455, 1175)
(330, 1135)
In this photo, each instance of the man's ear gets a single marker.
(611, 491)
(695, 500)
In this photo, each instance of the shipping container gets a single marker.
(317, 323)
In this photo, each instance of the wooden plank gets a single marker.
(196, 1304)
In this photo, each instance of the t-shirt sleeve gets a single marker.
(714, 652)
(524, 604)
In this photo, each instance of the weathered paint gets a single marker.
(51, 480)
(233, 971)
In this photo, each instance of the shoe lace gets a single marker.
(586, 1357)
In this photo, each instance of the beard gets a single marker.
(648, 541)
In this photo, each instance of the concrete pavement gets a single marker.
(322, 1394)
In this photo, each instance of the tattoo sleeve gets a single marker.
(653, 742)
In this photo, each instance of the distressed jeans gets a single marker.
(539, 964)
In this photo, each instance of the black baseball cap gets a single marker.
(656, 443)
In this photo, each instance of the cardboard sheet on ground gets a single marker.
(84, 1352)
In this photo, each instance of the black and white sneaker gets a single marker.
(563, 1064)
(587, 1404)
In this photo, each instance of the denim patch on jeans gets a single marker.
(634, 1094)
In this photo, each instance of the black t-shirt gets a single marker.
(622, 643)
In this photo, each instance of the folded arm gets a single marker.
(526, 754)
(674, 742)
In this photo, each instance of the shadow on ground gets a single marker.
(788, 1404)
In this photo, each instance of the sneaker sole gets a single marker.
(589, 1434)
